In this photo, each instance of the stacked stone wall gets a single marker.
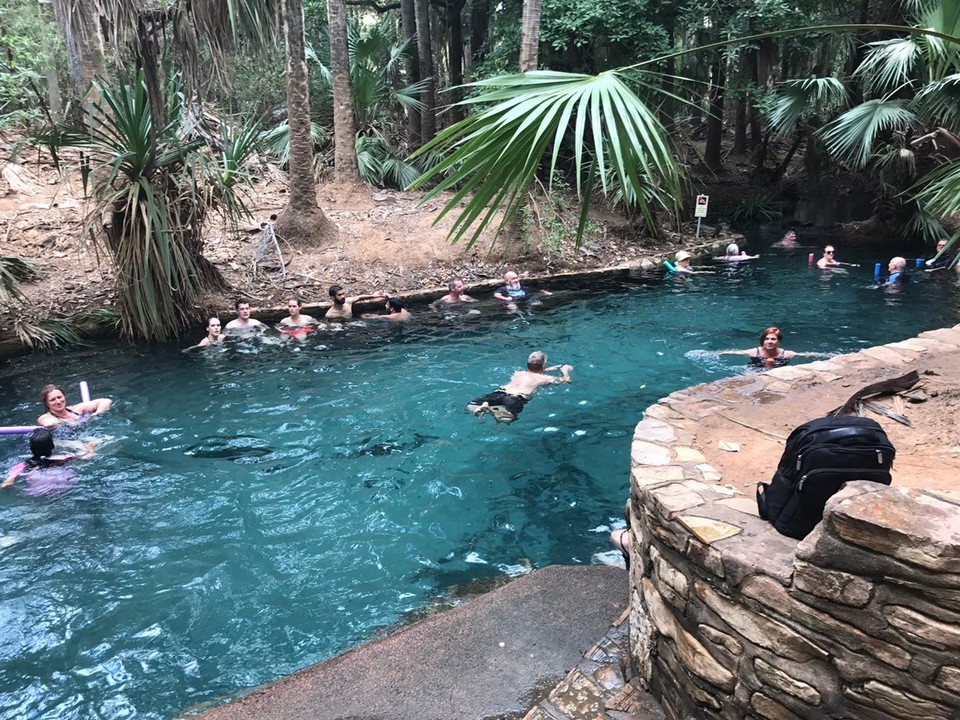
(730, 619)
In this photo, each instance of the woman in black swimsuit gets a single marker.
(769, 353)
(58, 411)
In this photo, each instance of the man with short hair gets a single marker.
(296, 320)
(342, 306)
(939, 261)
(506, 402)
(456, 294)
(243, 323)
(396, 312)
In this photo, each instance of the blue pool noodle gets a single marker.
(919, 262)
(670, 267)
(876, 270)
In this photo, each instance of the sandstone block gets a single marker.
(706, 529)
(949, 678)
(829, 629)
(674, 498)
(671, 534)
(788, 373)
(885, 355)
(922, 629)
(647, 475)
(709, 558)
(833, 585)
(688, 455)
(670, 575)
(729, 643)
(948, 336)
(900, 522)
(757, 628)
(691, 653)
(655, 431)
(897, 703)
(647, 453)
(770, 709)
(775, 677)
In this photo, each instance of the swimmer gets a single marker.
(512, 293)
(506, 402)
(683, 265)
(456, 294)
(295, 320)
(58, 411)
(734, 254)
(341, 306)
(829, 259)
(243, 323)
(41, 449)
(938, 261)
(213, 336)
(769, 353)
(396, 312)
(789, 240)
(897, 268)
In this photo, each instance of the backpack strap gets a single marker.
(762, 500)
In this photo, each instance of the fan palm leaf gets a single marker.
(794, 98)
(939, 101)
(889, 64)
(495, 153)
(939, 191)
(851, 136)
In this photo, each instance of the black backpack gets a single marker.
(821, 455)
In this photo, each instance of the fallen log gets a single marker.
(883, 387)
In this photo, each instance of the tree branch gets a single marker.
(372, 4)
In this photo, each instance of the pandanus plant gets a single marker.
(153, 190)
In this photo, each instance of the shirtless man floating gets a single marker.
(505, 403)
(342, 306)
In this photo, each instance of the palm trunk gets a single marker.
(455, 21)
(428, 123)
(408, 18)
(302, 220)
(530, 35)
(344, 127)
(712, 154)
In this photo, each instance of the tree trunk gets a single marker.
(302, 220)
(712, 154)
(455, 21)
(344, 126)
(411, 66)
(753, 113)
(79, 26)
(530, 35)
(479, 29)
(428, 121)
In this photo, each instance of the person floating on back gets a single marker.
(506, 402)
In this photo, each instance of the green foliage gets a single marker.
(545, 219)
(258, 84)
(28, 44)
(13, 271)
(494, 155)
(381, 166)
(756, 208)
(154, 188)
(59, 332)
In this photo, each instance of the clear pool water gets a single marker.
(257, 508)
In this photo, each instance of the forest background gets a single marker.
(147, 144)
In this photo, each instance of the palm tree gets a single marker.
(302, 220)
(154, 189)
(344, 127)
(530, 35)
(492, 157)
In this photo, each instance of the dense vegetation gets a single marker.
(169, 99)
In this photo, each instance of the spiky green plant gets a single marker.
(13, 271)
(756, 208)
(68, 331)
(154, 189)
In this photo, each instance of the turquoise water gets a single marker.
(257, 508)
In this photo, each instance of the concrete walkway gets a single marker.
(493, 657)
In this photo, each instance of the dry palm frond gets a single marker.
(71, 330)
(13, 271)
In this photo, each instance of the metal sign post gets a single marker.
(700, 212)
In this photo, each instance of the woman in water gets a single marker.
(42, 460)
(58, 411)
(769, 353)
(213, 335)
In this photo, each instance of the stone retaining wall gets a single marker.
(730, 619)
